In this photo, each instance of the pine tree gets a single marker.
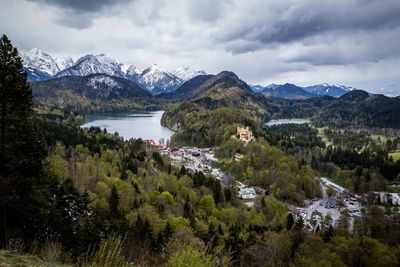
(23, 189)
(290, 221)
(113, 202)
(234, 243)
(21, 150)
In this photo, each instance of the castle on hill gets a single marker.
(243, 134)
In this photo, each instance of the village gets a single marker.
(315, 213)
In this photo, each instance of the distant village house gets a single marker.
(247, 193)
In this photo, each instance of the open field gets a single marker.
(395, 155)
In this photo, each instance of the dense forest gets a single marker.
(355, 109)
(85, 197)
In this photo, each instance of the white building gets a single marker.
(247, 193)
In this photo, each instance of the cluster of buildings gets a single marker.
(383, 198)
(152, 143)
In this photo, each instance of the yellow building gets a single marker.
(244, 134)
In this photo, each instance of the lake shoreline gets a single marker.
(141, 124)
(278, 122)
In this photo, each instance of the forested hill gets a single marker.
(213, 109)
(356, 109)
(96, 92)
(185, 90)
(206, 85)
(92, 86)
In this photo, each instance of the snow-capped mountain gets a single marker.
(132, 73)
(41, 66)
(325, 89)
(64, 63)
(94, 64)
(158, 80)
(187, 73)
(38, 60)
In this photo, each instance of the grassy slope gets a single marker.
(8, 259)
(395, 155)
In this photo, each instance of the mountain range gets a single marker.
(292, 91)
(41, 66)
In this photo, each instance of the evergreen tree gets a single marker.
(21, 149)
(23, 189)
(328, 233)
(234, 243)
(217, 191)
(263, 204)
(227, 194)
(113, 202)
(290, 221)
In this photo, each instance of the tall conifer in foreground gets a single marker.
(21, 151)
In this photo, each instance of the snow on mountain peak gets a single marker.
(41, 61)
(94, 64)
(132, 70)
(36, 51)
(187, 73)
(64, 63)
(154, 78)
(38, 60)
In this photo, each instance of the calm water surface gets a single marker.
(287, 121)
(145, 125)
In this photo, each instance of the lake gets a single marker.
(145, 125)
(287, 121)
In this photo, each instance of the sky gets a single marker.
(350, 42)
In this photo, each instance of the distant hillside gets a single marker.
(356, 108)
(96, 92)
(292, 91)
(185, 90)
(287, 90)
(328, 89)
(92, 86)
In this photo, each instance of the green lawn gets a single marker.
(395, 155)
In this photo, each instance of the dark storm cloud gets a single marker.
(81, 5)
(353, 42)
(312, 18)
(79, 14)
(69, 19)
